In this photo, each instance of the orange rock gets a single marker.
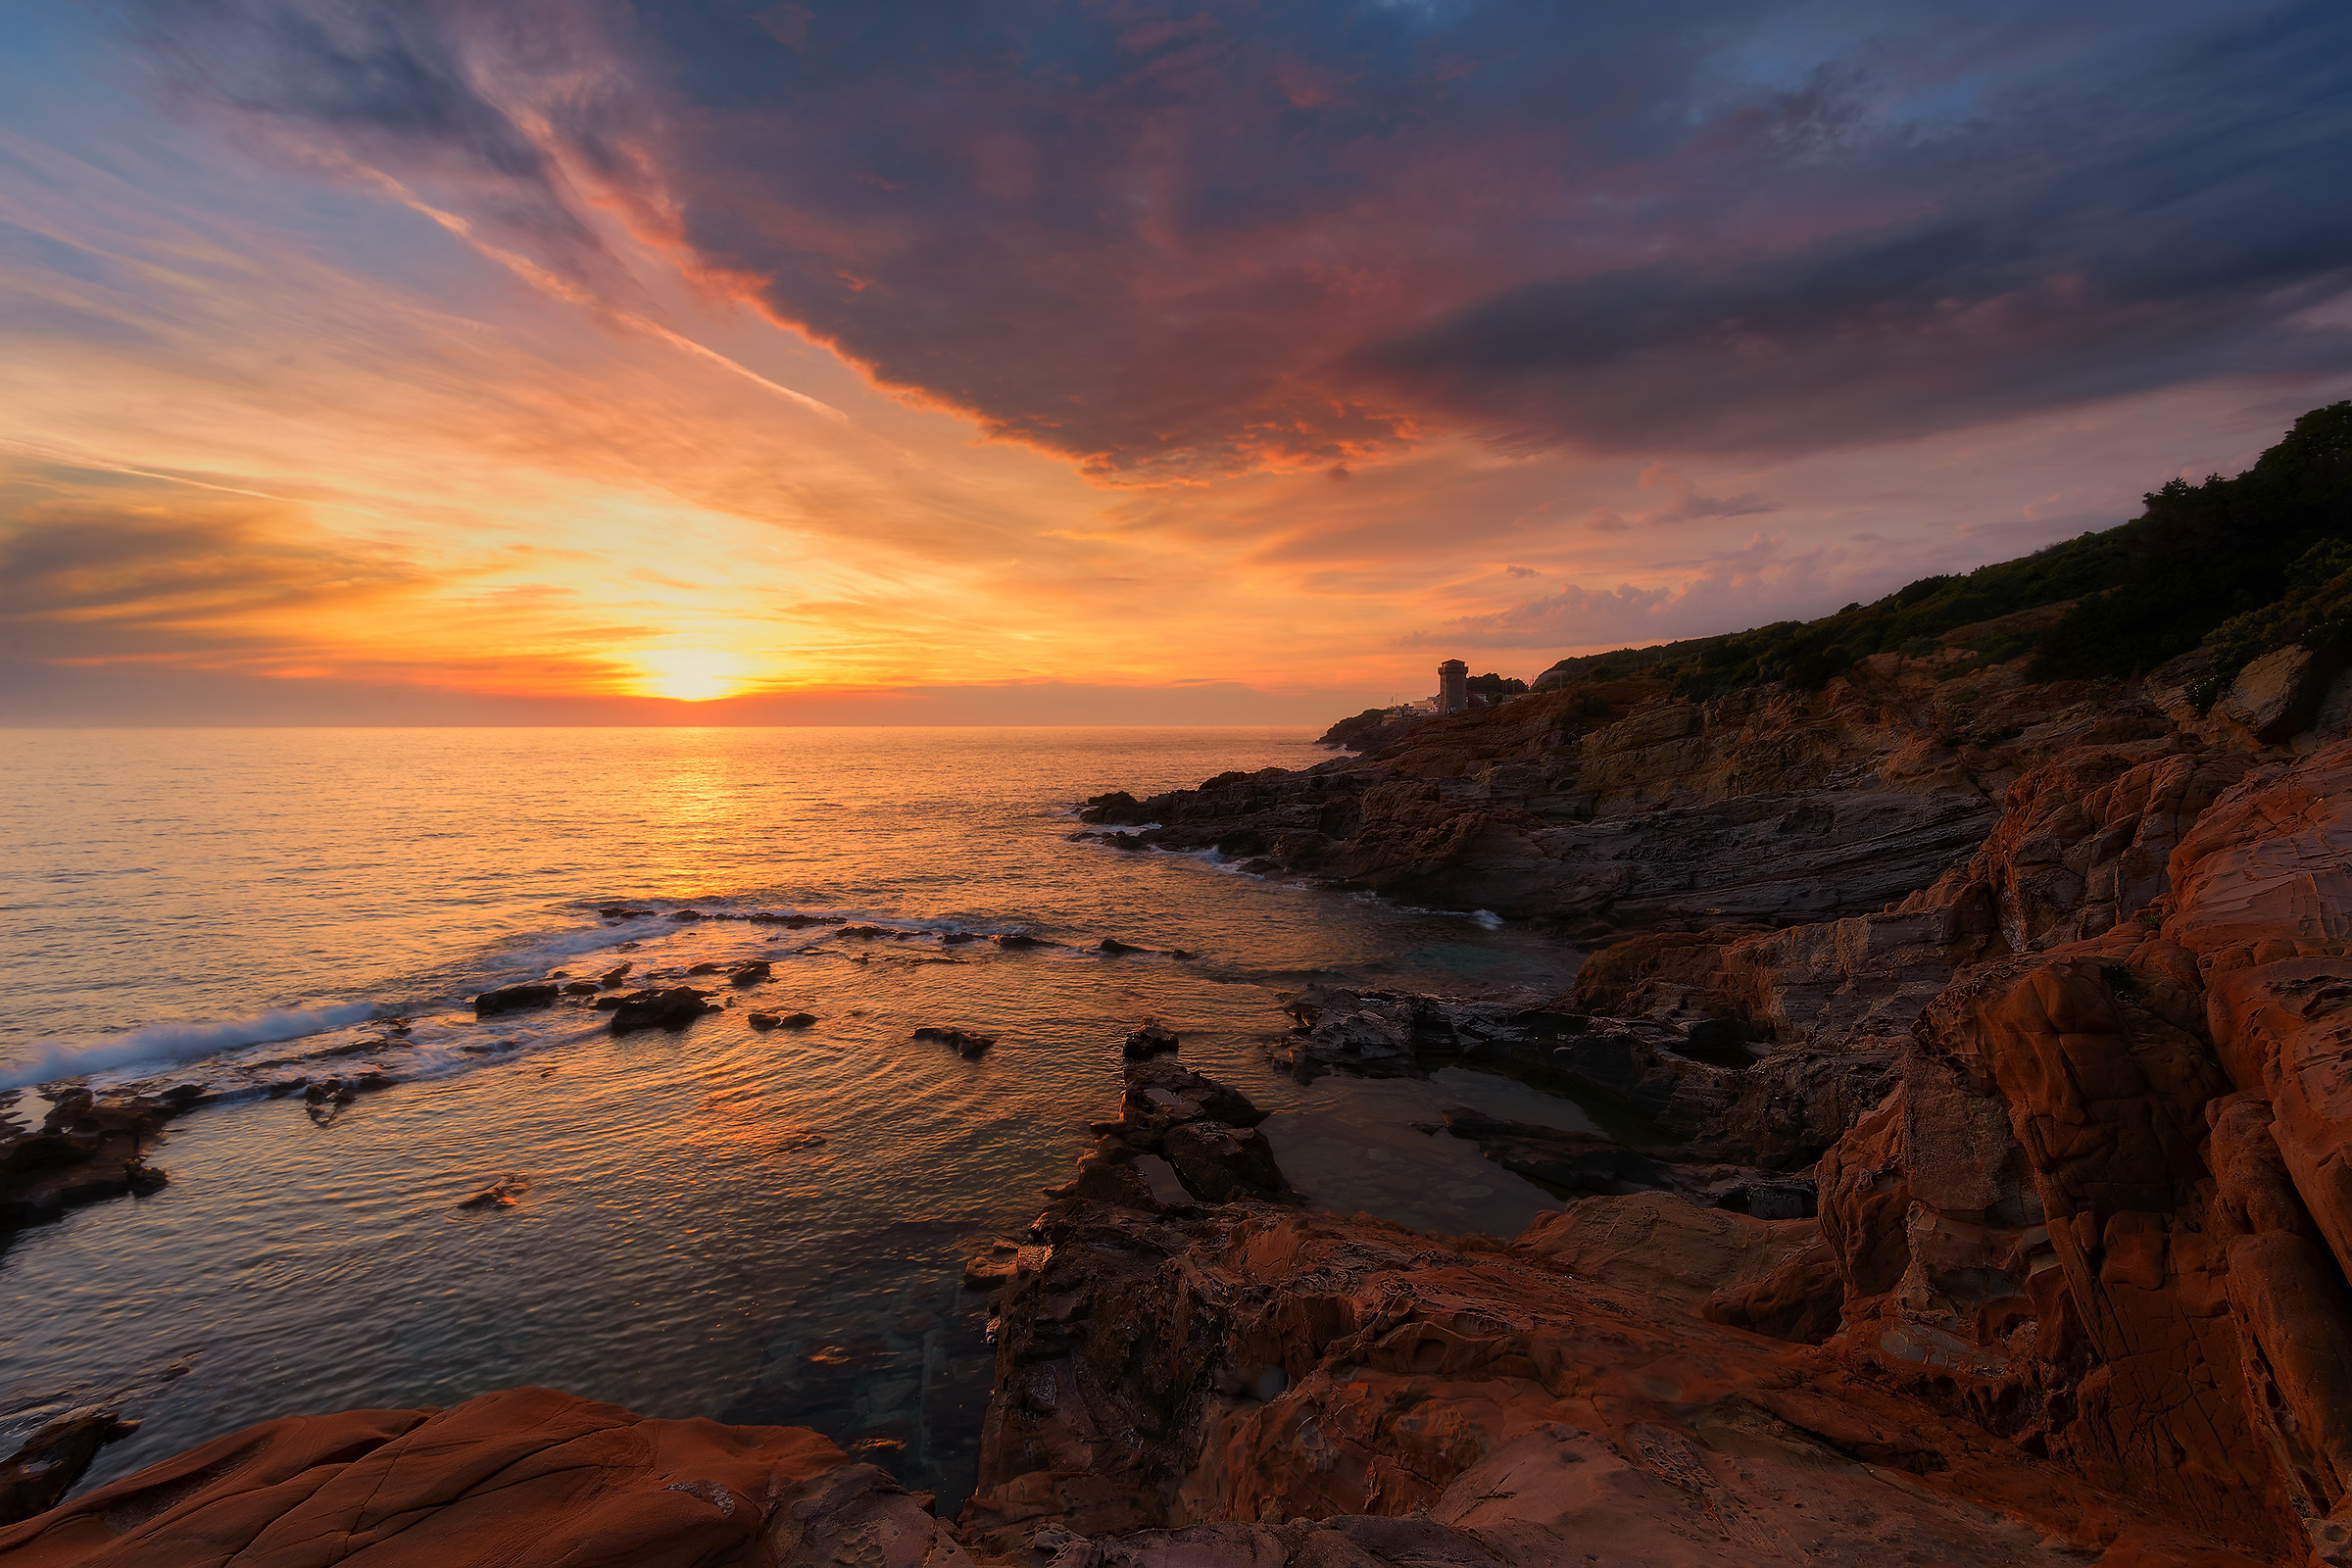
(524, 1478)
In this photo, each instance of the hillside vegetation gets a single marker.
(2236, 566)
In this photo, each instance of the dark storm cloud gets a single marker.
(1169, 238)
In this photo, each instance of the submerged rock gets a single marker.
(966, 1044)
(749, 974)
(504, 1192)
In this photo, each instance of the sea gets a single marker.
(753, 1226)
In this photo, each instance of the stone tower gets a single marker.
(1453, 686)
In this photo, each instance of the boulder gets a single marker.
(1161, 1093)
(514, 998)
(2277, 695)
(1153, 1039)
(1220, 1164)
(673, 1008)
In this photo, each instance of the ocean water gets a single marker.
(720, 1221)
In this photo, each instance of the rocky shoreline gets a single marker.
(1974, 1185)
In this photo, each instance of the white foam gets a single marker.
(179, 1042)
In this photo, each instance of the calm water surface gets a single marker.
(756, 1227)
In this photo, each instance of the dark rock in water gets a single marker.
(514, 999)
(762, 1021)
(794, 921)
(504, 1192)
(956, 939)
(607, 1004)
(1118, 808)
(1115, 947)
(580, 988)
(708, 968)
(672, 1009)
(52, 1459)
(797, 1020)
(1162, 1094)
(1018, 940)
(1222, 1165)
(749, 974)
(613, 976)
(868, 932)
(1153, 1039)
(1131, 842)
(966, 1044)
(615, 912)
(1262, 865)
(686, 915)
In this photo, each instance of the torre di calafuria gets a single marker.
(1453, 686)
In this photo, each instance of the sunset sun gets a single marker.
(688, 674)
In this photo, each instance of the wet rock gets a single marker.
(1369, 1033)
(956, 939)
(514, 998)
(1118, 809)
(1220, 1164)
(749, 974)
(687, 914)
(762, 1021)
(1153, 1039)
(1162, 1094)
(966, 1044)
(672, 1009)
(1018, 939)
(45, 1468)
(995, 1267)
(1113, 947)
(617, 912)
(504, 1192)
(706, 967)
(868, 932)
(581, 988)
(615, 975)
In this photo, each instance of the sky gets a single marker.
(1105, 361)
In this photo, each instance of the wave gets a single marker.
(162, 1042)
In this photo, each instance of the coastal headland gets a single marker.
(1973, 1022)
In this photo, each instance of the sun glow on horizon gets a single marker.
(688, 674)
